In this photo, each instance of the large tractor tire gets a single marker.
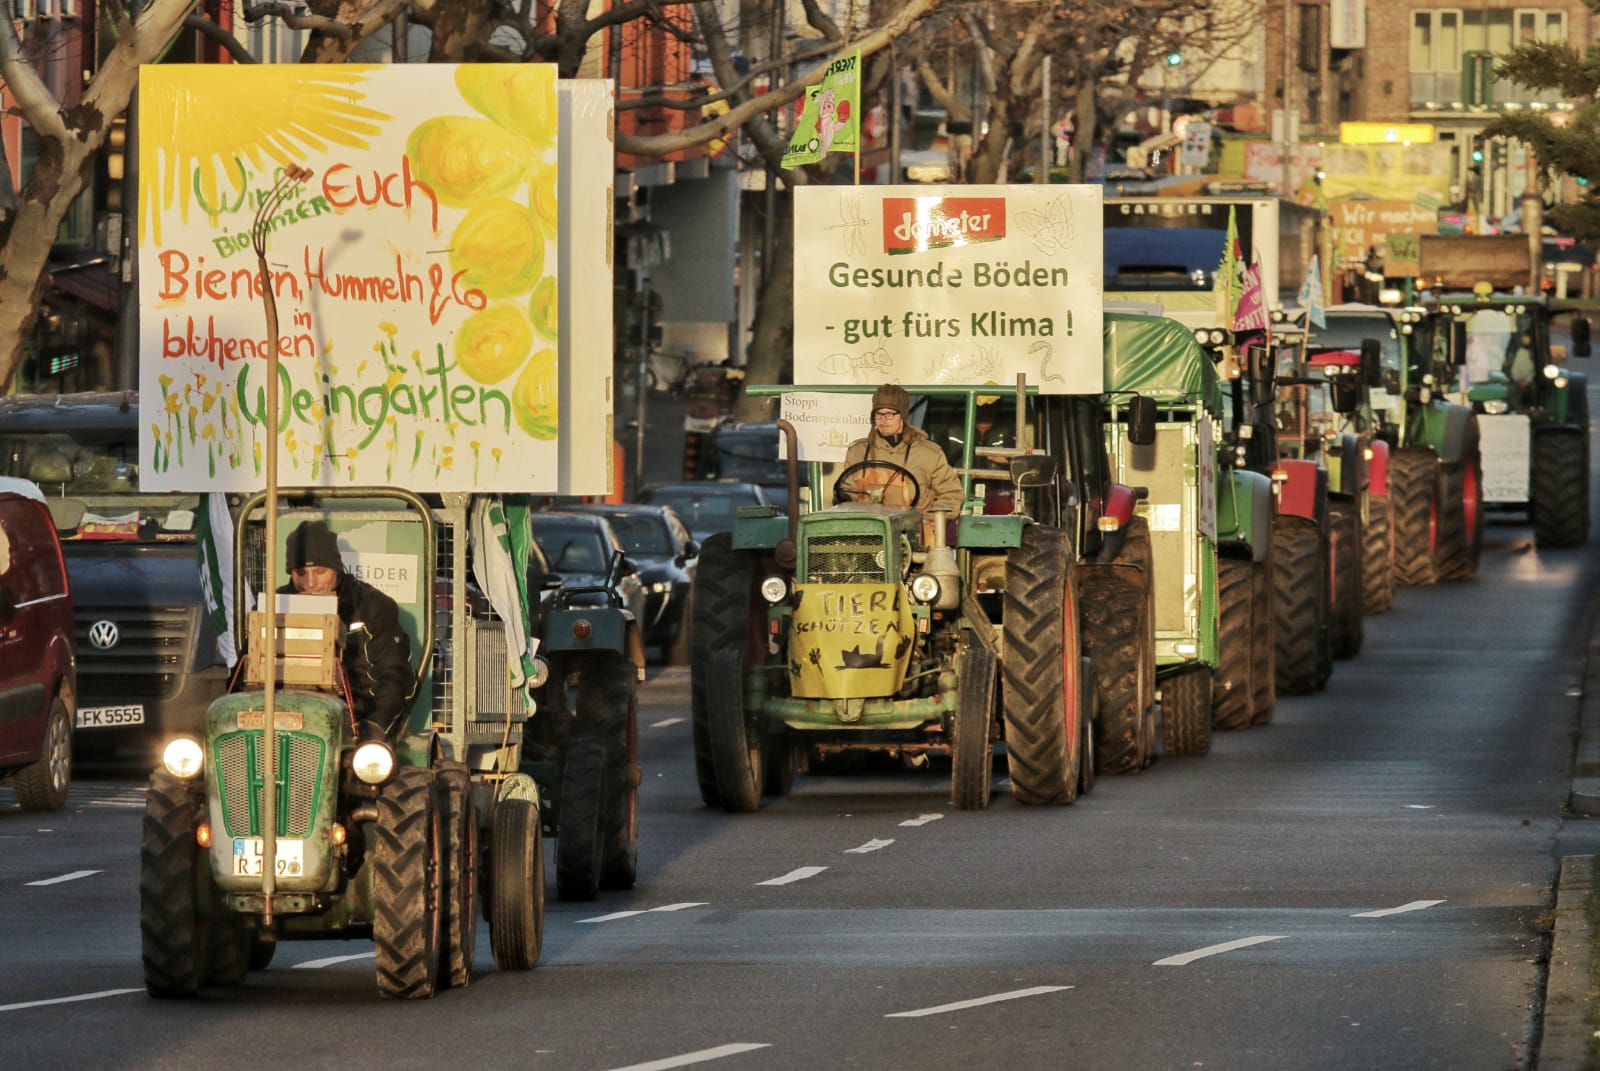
(516, 882)
(782, 756)
(1559, 488)
(1461, 511)
(1114, 621)
(1232, 689)
(1345, 632)
(43, 785)
(1414, 509)
(1300, 605)
(173, 940)
(1186, 716)
(229, 946)
(972, 744)
(608, 708)
(1263, 632)
(459, 821)
(1377, 557)
(728, 747)
(1041, 667)
(1089, 702)
(407, 887)
(579, 818)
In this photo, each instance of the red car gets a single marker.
(38, 664)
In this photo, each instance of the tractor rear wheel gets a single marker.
(1414, 509)
(1461, 511)
(1113, 621)
(730, 762)
(1300, 605)
(583, 786)
(459, 821)
(1263, 671)
(608, 705)
(406, 887)
(1377, 557)
(1559, 488)
(972, 745)
(516, 905)
(230, 944)
(1041, 669)
(172, 928)
(1344, 619)
(1233, 691)
(1186, 712)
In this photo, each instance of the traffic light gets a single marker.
(1174, 59)
(1477, 149)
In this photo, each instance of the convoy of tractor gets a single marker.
(1130, 567)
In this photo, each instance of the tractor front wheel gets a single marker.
(1042, 696)
(972, 745)
(407, 885)
(516, 905)
(172, 928)
(1186, 712)
(583, 783)
(1559, 488)
(1377, 557)
(1263, 669)
(1113, 625)
(1300, 605)
(1233, 690)
(728, 748)
(1461, 511)
(460, 889)
(1414, 506)
(1344, 620)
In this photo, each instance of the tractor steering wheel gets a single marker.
(843, 492)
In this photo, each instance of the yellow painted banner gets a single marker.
(849, 641)
(414, 273)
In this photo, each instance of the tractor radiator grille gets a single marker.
(239, 773)
(844, 559)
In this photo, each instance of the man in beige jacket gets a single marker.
(893, 441)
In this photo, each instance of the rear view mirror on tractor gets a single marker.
(1259, 363)
(1372, 362)
(1458, 342)
(1345, 386)
(1580, 336)
(1141, 420)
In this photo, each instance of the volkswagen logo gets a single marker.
(104, 635)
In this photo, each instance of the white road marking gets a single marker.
(1212, 950)
(74, 876)
(703, 1056)
(1409, 806)
(922, 819)
(1415, 905)
(1015, 994)
(318, 964)
(665, 722)
(642, 911)
(126, 805)
(870, 846)
(69, 1000)
(800, 874)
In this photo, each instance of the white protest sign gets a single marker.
(949, 285)
(826, 424)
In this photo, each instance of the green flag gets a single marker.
(1229, 283)
(831, 119)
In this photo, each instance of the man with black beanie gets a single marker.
(377, 652)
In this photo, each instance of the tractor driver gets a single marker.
(901, 446)
(377, 652)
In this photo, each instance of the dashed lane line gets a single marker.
(870, 846)
(700, 1057)
(798, 874)
(68, 1000)
(1415, 905)
(644, 911)
(318, 964)
(666, 723)
(975, 1002)
(74, 876)
(922, 819)
(1213, 950)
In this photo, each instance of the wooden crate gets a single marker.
(308, 649)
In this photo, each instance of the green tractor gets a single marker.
(402, 840)
(1530, 415)
(1210, 524)
(1021, 621)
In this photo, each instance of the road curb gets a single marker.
(1566, 1038)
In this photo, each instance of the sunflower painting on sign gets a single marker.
(414, 273)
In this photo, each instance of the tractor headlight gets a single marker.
(183, 757)
(1551, 371)
(774, 589)
(1495, 406)
(1561, 382)
(373, 762)
(540, 674)
(924, 588)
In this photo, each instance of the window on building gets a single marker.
(1435, 41)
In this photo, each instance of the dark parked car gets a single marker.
(579, 548)
(38, 672)
(706, 506)
(666, 554)
(747, 453)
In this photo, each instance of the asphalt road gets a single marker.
(1366, 883)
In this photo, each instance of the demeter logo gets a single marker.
(912, 224)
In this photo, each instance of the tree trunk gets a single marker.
(771, 352)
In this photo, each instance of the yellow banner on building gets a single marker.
(414, 273)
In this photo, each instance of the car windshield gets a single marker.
(749, 457)
(1346, 332)
(641, 533)
(92, 488)
(571, 548)
(704, 511)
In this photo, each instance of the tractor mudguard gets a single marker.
(1244, 512)
(1378, 468)
(1344, 467)
(1571, 409)
(587, 628)
(1119, 506)
(1453, 442)
(1302, 489)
